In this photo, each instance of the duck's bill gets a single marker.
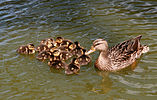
(90, 51)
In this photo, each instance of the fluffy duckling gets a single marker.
(57, 64)
(48, 42)
(41, 48)
(26, 49)
(84, 59)
(58, 41)
(43, 55)
(66, 42)
(68, 48)
(78, 51)
(73, 67)
(54, 55)
(65, 55)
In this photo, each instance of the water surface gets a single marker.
(24, 21)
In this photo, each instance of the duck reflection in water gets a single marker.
(105, 85)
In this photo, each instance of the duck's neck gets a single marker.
(103, 62)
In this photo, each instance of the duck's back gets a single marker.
(125, 53)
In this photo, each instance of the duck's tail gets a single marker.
(145, 49)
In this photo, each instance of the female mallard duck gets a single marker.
(78, 51)
(73, 67)
(26, 49)
(84, 59)
(119, 56)
(57, 64)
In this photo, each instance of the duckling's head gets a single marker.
(72, 68)
(71, 46)
(51, 49)
(31, 46)
(59, 39)
(56, 53)
(77, 43)
(98, 44)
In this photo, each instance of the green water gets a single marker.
(26, 78)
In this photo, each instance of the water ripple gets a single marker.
(25, 21)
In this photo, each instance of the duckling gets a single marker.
(73, 67)
(68, 47)
(48, 42)
(54, 55)
(66, 42)
(58, 41)
(78, 51)
(84, 59)
(26, 49)
(41, 48)
(43, 55)
(57, 64)
(65, 55)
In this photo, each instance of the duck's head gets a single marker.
(98, 44)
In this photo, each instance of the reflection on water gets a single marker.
(106, 84)
(25, 21)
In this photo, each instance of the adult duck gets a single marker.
(119, 56)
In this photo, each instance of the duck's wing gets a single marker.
(125, 53)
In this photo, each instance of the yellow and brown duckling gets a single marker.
(41, 48)
(78, 51)
(68, 47)
(26, 49)
(65, 55)
(73, 67)
(48, 42)
(84, 59)
(54, 54)
(43, 55)
(57, 64)
(58, 41)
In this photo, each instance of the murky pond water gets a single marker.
(25, 21)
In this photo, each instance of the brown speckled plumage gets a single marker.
(119, 56)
